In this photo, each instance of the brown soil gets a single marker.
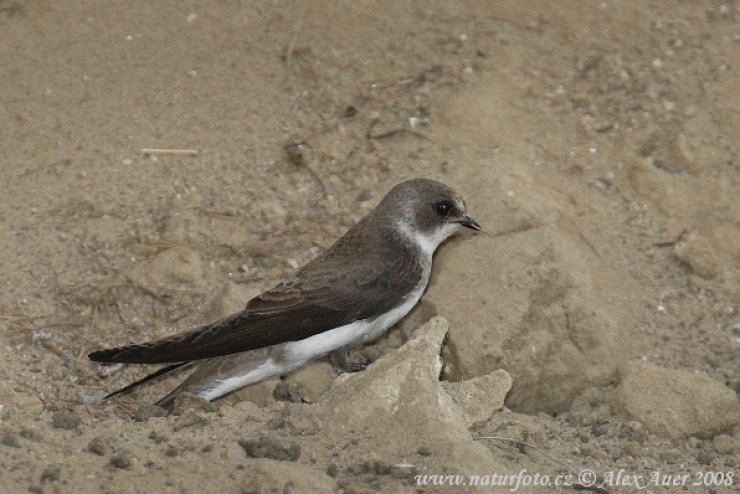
(597, 142)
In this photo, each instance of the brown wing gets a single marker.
(315, 300)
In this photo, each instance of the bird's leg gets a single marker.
(342, 364)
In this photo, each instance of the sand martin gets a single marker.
(349, 295)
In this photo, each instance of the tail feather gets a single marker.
(149, 377)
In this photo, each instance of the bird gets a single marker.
(348, 295)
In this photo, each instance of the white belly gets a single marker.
(354, 333)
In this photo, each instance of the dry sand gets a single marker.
(597, 142)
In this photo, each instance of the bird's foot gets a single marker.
(342, 365)
(358, 366)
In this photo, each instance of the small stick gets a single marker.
(189, 152)
(390, 133)
(671, 243)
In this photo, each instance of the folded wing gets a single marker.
(315, 300)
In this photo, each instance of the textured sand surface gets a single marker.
(597, 143)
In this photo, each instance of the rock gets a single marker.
(724, 444)
(67, 420)
(175, 265)
(11, 440)
(667, 192)
(32, 435)
(265, 447)
(287, 391)
(632, 449)
(591, 451)
(188, 401)
(267, 476)
(52, 473)
(481, 396)
(704, 458)
(402, 471)
(375, 467)
(540, 315)
(424, 451)
(314, 379)
(259, 393)
(692, 202)
(357, 488)
(157, 437)
(420, 314)
(99, 446)
(379, 386)
(148, 411)
(121, 460)
(400, 397)
(190, 418)
(696, 154)
(674, 403)
(246, 411)
(696, 251)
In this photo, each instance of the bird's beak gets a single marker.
(469, 222)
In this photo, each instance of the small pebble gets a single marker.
(265, 447)
(357, 488)
(379, 467)
(50, 474)
(67, 420)
(120, 460)
(187, 401)
(591, 451)
(10, 440)
(598, 430)
(724, 444)
(705, 458)
(191, 418)
(364, 195)
(157, 437)
(635, 430)
(288, 391)
(736, 329)
(146, 412)
(424, 451)
(401, 472)
(31, 435)
(633, 449)
(98, 446)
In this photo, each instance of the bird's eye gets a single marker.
(443, 208)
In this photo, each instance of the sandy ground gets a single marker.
(597, 142)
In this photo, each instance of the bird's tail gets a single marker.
(149, 377)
